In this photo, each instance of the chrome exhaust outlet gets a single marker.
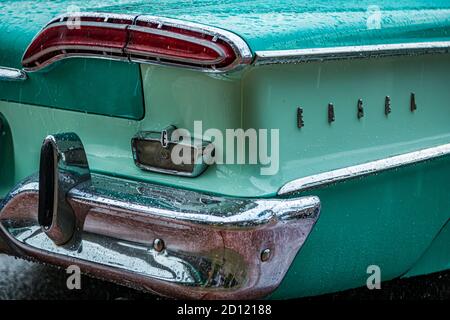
(63, 165)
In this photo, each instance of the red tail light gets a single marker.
(141, 39)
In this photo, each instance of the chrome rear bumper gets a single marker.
(173, 242)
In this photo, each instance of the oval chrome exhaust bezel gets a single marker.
(63, 165)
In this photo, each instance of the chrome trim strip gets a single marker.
(103, 15)
(94, 53)
(349, 52)
(109, 25)
(10, 74)
(76, 55)
(187, 206)
(360, 170)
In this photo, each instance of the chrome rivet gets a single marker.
(158, 245)
(265, 255)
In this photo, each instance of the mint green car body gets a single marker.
(397, 219)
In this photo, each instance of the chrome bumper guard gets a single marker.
(173, 242)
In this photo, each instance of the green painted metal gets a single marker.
(272, 95)
(295, 24)
(286, 24)
(265, 25)
(388, 220)
(95, 86)
(107, 140)
(437, 256)
(265, 97)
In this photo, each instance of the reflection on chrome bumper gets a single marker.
(173, 242)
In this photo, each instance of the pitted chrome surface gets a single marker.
(131, 257)
(212, 248)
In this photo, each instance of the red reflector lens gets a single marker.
(169, 46)
(143, 39)
(60, 40)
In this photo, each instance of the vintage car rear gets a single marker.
(288, 111)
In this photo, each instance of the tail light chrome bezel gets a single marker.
(228, 51)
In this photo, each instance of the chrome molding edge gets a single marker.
(174, 242)
(349, 52)
(365, 169)
(10, 74)
(244, 55)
